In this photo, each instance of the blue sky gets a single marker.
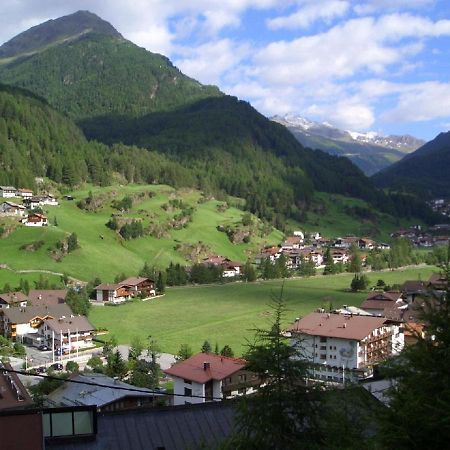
(380, 65)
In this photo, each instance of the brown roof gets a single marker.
(13, 297)
(337, 325)
(380, 300)
(133, 281)
(42, 297)
(24, 315)
(13, 392)
(220, 367)
(107, 287)
(71, 322)
(412, 286)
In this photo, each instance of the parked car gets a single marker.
(43, 348)
(57, 366)
(40, 369)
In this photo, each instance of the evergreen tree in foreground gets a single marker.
(419, 412)
(283, 415)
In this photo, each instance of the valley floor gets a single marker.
(228, 314)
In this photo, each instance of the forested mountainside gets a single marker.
(93, 71)
(424, 172)
(120, 93)
(37, 141)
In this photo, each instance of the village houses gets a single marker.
(125, 290)
(208, 377)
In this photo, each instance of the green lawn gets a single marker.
(227, 314)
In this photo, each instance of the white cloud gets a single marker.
(371, 6)
(421, 102)
(310, 13)
(209, 62)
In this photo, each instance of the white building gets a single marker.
(7, 191)
(345, 347)
(208, 377)
(67, 332)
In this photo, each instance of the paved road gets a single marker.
(165, 360)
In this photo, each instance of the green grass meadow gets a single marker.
(228, 314)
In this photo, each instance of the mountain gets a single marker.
(425, 172)
(54, 32)
(84, 68)
(370, 151)
(119, 93)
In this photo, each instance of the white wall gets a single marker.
(178, 388)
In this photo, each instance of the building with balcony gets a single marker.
(343, 347)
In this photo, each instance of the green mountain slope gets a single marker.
(425, 172)
(93, 72)
(120, 93)
(37, 141)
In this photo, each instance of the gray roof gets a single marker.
(40, 297)
(171, 428)
(23, 315)
(75, 394)
(70, 322)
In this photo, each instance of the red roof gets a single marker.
(337, 325)
(193, 369)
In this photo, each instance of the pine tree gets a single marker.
(329, 263)
(284, 414)
(206, 347)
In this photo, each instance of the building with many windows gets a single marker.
(344, 347)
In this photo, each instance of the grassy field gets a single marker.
(227, 314)
(13, 279)
(104, 254)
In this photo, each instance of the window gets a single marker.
(187, 381)
(331, 347)
(243, 377)
(188, 392)
(323, 339)
(323, 356)
(323, 347)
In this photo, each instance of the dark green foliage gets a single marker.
(419, 412)
(400, 253)
(424, 172)
(96, 364)
(78, 301)
(227, 351)
(161, 282)
(72, 243)
(284, 413)
(185, 352)
(115, 365)
(132, 230)
(45, 386)
(145, 374)
(124, 205)
(136, 348)
(201, 274)
(112, 224)
(307, 267)
(329, 268)
(248, 272)
(355, 264)
(360, 282)
(206, 347)
(72, 366)
(176, 275)
(109, 346)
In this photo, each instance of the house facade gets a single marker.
(24, 193)
(17, 323)
(68, 333)
(12, 209)
(14, 299)
(342, 347)
(207, 377)
(8, 191)
(126, 289)
(378, 301)
(35, 220)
